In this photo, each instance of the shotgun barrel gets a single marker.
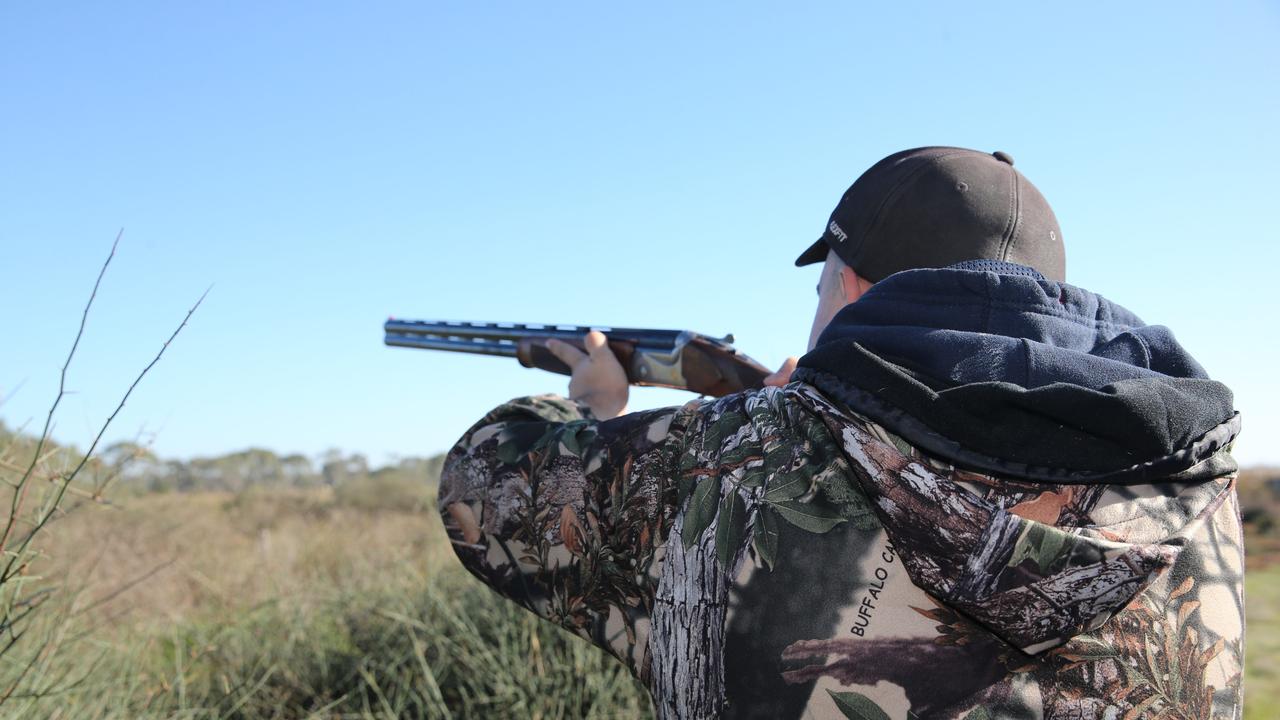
(511, 332)
(665, 358)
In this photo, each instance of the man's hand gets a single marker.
(783, 376)
(598, 378)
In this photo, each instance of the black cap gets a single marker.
(936, 206)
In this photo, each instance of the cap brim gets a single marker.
(815, 254)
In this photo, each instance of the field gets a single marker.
(1262, 643)
(311, 603)
(292, 604)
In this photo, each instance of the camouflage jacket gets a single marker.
(763, 555)
(985, 495)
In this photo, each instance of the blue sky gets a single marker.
(325, 165)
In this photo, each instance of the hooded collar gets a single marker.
(993, 367)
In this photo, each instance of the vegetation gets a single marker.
(1262, 643)
(322, 591)
(35, 479)
(292, 603)
(1260, 510)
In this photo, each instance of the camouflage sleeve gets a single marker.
(564, 513)
(578, 519)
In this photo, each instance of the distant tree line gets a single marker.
(130, 466)
(1260, 500)
(258, 467)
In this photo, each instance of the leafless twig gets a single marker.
(12, 578)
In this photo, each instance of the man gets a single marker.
(983, 493)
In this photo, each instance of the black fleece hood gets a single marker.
(997, 369)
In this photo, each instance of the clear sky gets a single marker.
(326, 165)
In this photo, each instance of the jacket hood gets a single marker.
(991, 366)
(1043, 393)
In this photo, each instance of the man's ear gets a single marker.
(853, 284)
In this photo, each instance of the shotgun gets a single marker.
(664, 358)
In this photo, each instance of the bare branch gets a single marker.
(62, 488)
(19, 496)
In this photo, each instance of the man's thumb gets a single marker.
(596, 343)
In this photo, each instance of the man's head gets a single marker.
(927, 208)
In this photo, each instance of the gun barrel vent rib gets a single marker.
(518, 331)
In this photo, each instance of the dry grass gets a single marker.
(215, 552)
(290, 604)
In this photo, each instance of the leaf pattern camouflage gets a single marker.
(770, 554)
